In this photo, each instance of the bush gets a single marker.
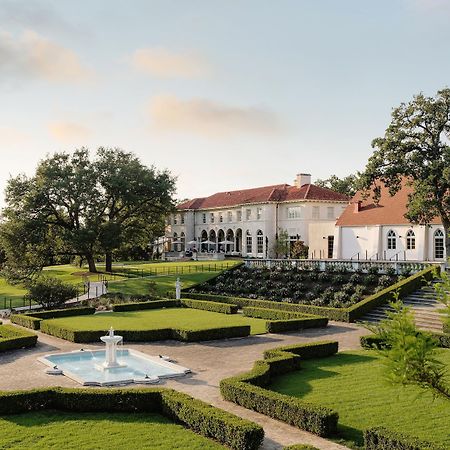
(86, 336)
(12, 338)
(25, 321)
(153, 304)
(196, 415)
(373, 341)
(279, 326)
(224, 308)
(66, 312)
(50, 292)
(248, 390)
(379, 438)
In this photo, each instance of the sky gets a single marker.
(225, 94)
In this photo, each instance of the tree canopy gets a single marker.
(415, 149)
(77, 206)
(347, 185)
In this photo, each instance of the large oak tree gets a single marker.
(415, 148)
(75, 205)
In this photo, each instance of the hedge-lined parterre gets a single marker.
(196, 415)
(248, 389)
(13, 338)
(372, 341)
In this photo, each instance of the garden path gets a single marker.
(209, 361)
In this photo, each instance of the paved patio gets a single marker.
(209, 361)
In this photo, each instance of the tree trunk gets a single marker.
(108, 262)
(91, 262)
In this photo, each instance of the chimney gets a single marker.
(357, 206)
(301, 179)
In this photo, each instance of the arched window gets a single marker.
(439, 244)
(249, 241)
(410, 240)
(259, 242)
(391, 240)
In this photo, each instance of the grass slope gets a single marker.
(164, 283)
(192, 319)
(74, 431)
(353, 384)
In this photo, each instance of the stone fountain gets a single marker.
(111, 340)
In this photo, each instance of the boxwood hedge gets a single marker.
(373, 341)
(200, 417)
(354, 312)
(26, 321)
(12, 338)
(152, 304)
(223, 308)
(379, 438)
(84, 336)
(248, 390)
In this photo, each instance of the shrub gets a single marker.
(196, 415)
(356, 278)
(12, 338)
(224, 308)
(278, 326)
(153, 304)
(50, 292)
(379, 438)
(25, 321)
(66, 312)
(373, 270)
(248, 390)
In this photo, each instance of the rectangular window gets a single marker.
(410, 243)
(211, 216)
(259, 213)
(221, 217)
(316, 212)
(182, 219)
(249, 244)
(294, 212)
(330, 212)
(248, 214)
(175, 219)
(239, 216)
(204, 217)
(260, 244)
(330, 246)
(230, 216)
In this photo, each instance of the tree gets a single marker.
(281, 245)
(299, 250)
(51, 292)
(410, 354)
(415, 149)
(81, 207)
(347, 185)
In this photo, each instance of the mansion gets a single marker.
(248, 222)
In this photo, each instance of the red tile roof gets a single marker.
(275, 193)
(390, 210)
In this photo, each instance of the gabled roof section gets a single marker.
(390, 210)
(273, 193)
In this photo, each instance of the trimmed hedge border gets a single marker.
(223, 308)
(300, 447)
(12, 338)
(248, 390)
(185, 335)
(152, 304)
(405, 287)
(194, 414)
(372, 341)
(33, 319)
(379, 438)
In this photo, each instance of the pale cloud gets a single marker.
(208, 118)
(34, 56)
(68, 132)
(433, 6)
(161, 63)
(12, 137)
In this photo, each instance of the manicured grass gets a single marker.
(193, 319)
(164, 284)
(73, 275)
(10, 292)
(353, 384)
(64, 430)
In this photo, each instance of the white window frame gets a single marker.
(391, 243)
(204, 217)
(316, 212)
(259, 212)
(438, 236)
(248, 242)
(248, 214)
(410, 240)
(211, 217)
(259, 242)
(230, 216)
(294, 212)
(330, 212)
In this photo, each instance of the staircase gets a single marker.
(423, 303)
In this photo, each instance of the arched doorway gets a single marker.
(230, 238)
(221, 238)
(238, 240)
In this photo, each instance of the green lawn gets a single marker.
(193, 319)
(353, 384)
(89, 431)
(73, 275)
(164, 283)
(11, 292)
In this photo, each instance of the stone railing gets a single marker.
(336, 264)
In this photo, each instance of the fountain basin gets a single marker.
(87, 367)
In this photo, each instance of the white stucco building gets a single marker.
(247, 222)
(368, 230)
